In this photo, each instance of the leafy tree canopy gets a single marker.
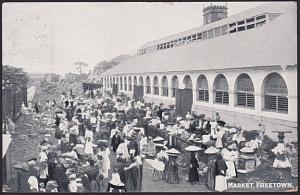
(105, 65)
(14, 76)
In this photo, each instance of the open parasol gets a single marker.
(193, 148)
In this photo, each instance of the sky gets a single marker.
(51, 37)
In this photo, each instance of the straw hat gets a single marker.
(247, 150)
(193, 148)
(173, 152)
(158, 138)
(211, 150)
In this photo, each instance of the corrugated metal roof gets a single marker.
(275, 43)
(278, 7)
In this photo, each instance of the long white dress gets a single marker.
(122, 149)
(230, 157)
(106, 162)
(220, 183)
(88, 149)
(219, 143)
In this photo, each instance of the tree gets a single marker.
(105, 65)
(78, 65)
(14, 90)
(14, 76)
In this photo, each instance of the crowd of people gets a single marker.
(102, 143)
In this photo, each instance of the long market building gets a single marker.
(244, 67)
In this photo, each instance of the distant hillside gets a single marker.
(105, 65)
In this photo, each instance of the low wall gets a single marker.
(250, 122)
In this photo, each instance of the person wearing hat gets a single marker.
(159, 113)
(43, 159)
(193, 172)
(230, 157)
(115, 184)
(60, 176)
(132, 175)
(116, 140)
(52, 160)
(211, 172)
(139, 160)
(164, 157)
(32, 167)
(105, 165)
(151, 148)
(220, 179)
(88, 147)
(172, 170)
(133, 145)
(208, 127)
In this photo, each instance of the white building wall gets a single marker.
(247, 118)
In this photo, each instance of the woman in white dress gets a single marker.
(88, 149)
(104, 152)
(219, 135)
(221, 169)
(122, 150)
(230, 158)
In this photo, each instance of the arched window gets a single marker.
(121, 83)
(129, 84)
(202, 88)
(275, 93)
(188, 84)
(244, 91)
(175, 85)
(141, 81)
(134, 81)
(148, 85)
(155, 86)
(221, 90)
(125, 84)
(164, 86)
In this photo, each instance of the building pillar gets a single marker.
(257, 79)
(290, 78)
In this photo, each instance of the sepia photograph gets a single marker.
(104, 97)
